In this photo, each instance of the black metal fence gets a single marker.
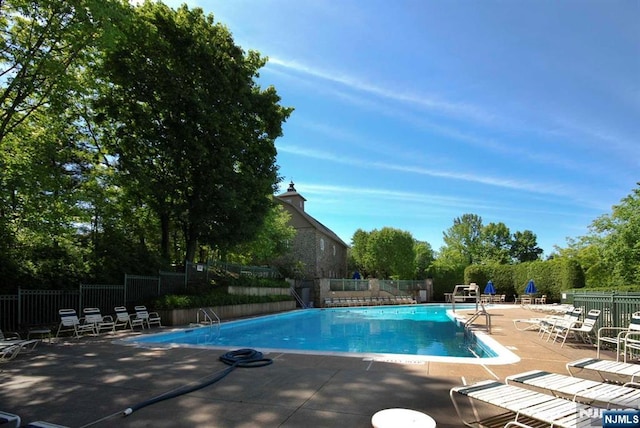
(31, 308)
(40, 307)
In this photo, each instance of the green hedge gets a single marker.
(551, 277)
(214, 298)
(444, 280)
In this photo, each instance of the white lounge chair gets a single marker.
(69, 321)
(124, 319)
(101, 323)
(608, 371)
(582, 390)
(13, 338)
(8, 352)
(9, 420)
(522, 405)
(579, 329)
(551, 326)
(624, 338)
(148, 318)
(524, 324)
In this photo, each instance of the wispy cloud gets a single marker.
(424, 101)
(529, 186)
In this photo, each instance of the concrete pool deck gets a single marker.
(90, 381)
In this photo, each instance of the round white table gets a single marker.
(401, 418)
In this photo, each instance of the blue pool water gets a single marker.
(421, 330)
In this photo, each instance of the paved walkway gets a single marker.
(90, 381)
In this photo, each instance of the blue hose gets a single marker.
(247, 358)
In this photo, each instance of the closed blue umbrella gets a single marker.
(531, 288)
(489, 288)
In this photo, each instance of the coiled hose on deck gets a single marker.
(247, 358)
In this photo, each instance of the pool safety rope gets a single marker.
(247, 358)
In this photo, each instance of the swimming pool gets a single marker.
(397, 333)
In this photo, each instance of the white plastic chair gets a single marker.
(101, 323)
(124, 319)
(624, 338)
(69, 321)
(148, 318)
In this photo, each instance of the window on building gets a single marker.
(334, 250)
(321, 244)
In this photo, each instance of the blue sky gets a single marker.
(410, 113)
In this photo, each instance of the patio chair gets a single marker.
(550, 326)
(582, 390)
(69, 321)
(624, 338)
(13, 338)
(101, 323)
(534, 323)
(521, 405)
(630, 340)
(9, 420)
(8, 352)
(607, 370)
(124, 319)
(579, 329)
(148, 318)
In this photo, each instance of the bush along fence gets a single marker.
(31, 308)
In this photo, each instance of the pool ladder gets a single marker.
(208, 316)
(296, 296)
(482, 311)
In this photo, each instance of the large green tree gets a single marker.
(524, 247)
(46, 161)
(619, 233)
(463, 240)
(495, 243)
(44, 45)
(271, 243)
(194, 133)
(385, 253)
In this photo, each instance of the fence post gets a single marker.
(126, 294)
(614, 310)
(19, 306)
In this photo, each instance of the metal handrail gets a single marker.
(477, 315)
(296, 296)
(207, 316)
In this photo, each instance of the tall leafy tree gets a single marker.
(524, 246)
(194, 132)
(620, 235)
(495, 243)
(358, 250)
(271, 242)
(44, 44)
(46, 48)
(424, 259)
(463, 240)
(385, 253)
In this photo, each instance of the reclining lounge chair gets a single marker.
(581, 390)
(608, 371)
(519, 406)
(15, 339)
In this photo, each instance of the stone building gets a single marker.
(322, 252)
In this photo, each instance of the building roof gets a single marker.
(291, 191)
